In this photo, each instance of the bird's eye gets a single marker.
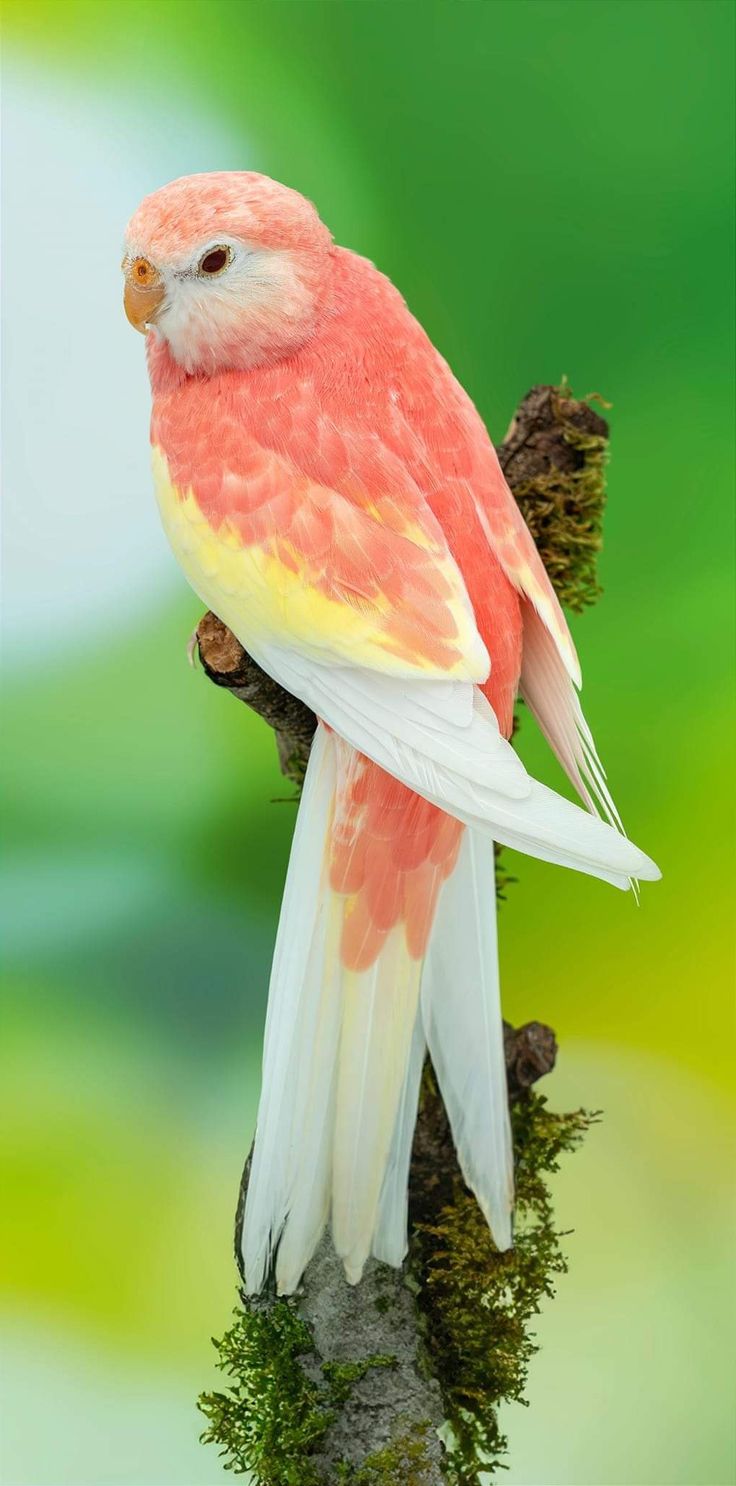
(215, 261)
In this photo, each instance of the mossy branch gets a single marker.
(350, 1384)
(479, 1305)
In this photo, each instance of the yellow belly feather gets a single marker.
(263, 600)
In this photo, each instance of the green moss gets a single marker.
(504, 879)
(403, 1462)
(273, 1416)
(478, 1303)
(294, 767)
(564, 509)
(341, 1377)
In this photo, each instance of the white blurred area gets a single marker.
(84, 560)
(83, 553)
(105, 1422)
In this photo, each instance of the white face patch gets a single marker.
(231, 318)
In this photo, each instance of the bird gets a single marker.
(332, 494)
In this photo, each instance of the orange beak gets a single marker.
(143, 294)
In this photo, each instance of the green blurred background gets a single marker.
(550, 185)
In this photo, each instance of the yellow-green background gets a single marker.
(549, 182)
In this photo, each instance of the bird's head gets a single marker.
(230, 269)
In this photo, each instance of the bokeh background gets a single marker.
(550, 184)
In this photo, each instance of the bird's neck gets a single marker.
(165, 373)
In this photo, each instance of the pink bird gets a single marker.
(332, 494)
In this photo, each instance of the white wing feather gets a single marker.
(376, 714)
(551, 697)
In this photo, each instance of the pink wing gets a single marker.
(320, 532)
(472, 482)
(510, 538)
(427, 421)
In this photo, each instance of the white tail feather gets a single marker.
(337, 1045)
(343, 1058)
(460, 1020)
(379, 1012)
(461, 1012)
(317, 1035)
(343, 1049)
(390, 1241)
(303, 1007)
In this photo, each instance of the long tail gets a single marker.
(461, 1026)
(379, 883)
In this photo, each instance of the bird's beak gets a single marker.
(143, 294)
